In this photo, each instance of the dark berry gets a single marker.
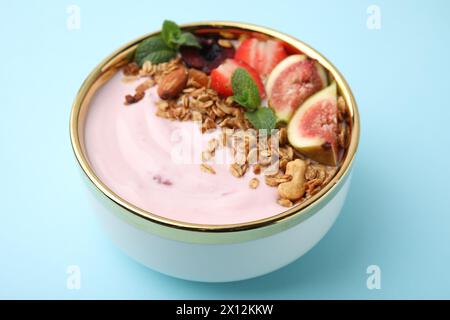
(209, 57)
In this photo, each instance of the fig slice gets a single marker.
(291, 82)
(313, 128)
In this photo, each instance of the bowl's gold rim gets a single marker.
(294, 212)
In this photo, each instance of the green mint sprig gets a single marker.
(262, 118)
(154, 50)
(245, 90)
(246, 93)
(175, 38)
(163, 48)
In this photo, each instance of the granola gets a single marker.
(207, 168)
(254, 183)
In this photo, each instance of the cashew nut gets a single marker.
(295, 188)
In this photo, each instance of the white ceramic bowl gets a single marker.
(213, 253)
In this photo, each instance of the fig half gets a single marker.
(293, 81)
(313, 128)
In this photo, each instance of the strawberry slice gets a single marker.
(221, 77)
(263, 56)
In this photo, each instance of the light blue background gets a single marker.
(397, 214)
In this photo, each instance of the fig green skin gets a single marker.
(320, 154)
(284, 113)
(315, 148)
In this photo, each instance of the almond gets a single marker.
(172, 84)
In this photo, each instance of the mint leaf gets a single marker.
(263, 118)
(246, 93)
(171, 32)
(163, 48)
(149, 46)
(245, 90)
(187, 39)
(175, 38)
(160, 56)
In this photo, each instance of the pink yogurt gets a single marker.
(131, 150)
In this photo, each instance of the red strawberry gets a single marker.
(221, 77)
(263, 56)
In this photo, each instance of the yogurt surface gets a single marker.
(136, 154)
